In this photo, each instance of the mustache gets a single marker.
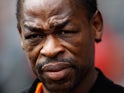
(49, 60)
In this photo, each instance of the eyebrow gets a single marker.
(62, 24)
(33, 29)
(37, 29)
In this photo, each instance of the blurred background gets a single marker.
(16, 74)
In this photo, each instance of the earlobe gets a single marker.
(97, 26)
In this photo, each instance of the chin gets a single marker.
(57, 86)
(67, 84)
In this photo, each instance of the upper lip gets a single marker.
(55, 66)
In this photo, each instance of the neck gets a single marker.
(87, 83)
(46, 91)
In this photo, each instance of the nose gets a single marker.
(51, 47)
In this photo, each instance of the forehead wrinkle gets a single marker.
(54, 21)
(50, 13)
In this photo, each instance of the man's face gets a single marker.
(58, 40)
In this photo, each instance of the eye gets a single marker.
(34, 36)
(66, 32)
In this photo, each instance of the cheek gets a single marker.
(84, 48)
(87, 57)
(82, 43)
(32, 53)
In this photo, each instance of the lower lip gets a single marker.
(59, 74)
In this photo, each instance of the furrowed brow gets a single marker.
(33, 29)
(61, 24)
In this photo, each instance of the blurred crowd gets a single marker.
(15, 73)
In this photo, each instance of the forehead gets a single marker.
(47, 8)
(46, 12)
(44, 4)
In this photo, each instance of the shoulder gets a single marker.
(105, 85)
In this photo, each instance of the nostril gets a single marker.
(43, 54)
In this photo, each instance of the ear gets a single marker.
(97, 26)
(20, 33)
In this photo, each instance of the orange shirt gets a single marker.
(39, 88)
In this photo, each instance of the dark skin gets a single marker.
(59, 42)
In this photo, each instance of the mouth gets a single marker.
(56, 70)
